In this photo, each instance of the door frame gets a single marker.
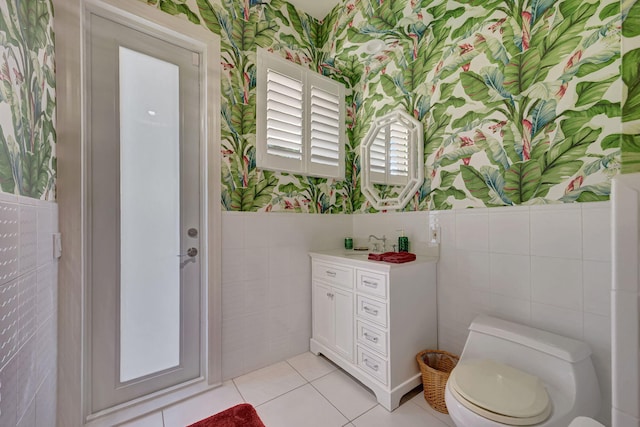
(180, 32)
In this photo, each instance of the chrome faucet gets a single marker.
(375, 245)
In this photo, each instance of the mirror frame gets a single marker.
(416, 161)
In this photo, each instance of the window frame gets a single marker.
(267, 61)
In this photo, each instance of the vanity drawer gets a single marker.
(372, 283)
(333, 273)
(372, 310)
(372, 365)
(372, 337)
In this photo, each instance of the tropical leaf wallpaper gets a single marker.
(631, 80)
(243, 27)
(27, 99)
(520, 100)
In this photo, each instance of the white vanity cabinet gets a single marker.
(371, 318)
(333, 318)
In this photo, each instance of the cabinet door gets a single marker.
(343, 318)
(322, 313)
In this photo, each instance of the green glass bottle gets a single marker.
(403, 243)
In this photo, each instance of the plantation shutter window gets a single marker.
(284, 116)
(326, 146)
(300, 119)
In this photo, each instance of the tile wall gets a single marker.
(545, 266)
(391, 225)
(266, 289)
(28, 312)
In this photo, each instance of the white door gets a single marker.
(144, 214)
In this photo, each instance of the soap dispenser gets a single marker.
(403, 242)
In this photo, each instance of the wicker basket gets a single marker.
(435, 366)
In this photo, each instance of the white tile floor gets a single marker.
(305, 390)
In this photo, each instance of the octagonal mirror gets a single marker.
(392, 160)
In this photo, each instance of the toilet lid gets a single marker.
(500, 392)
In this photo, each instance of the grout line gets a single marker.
(280, 395)
(238, 389)
(444, 424)
(335, 367)
(322, 376)
(319, 392)
(298, 372)
(233, 380)
(338, 369)
(330, 403)
(367, 411)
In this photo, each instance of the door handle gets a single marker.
(191, 253)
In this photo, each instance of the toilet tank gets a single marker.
(561, 362)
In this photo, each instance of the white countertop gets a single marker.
(356, 258)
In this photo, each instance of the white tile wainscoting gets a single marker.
(391, 225)
(266, 284)
(544, 266)
(28, 312)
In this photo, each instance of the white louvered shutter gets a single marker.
(326, 126)
(300, 119)
(279, 114)
(284, 116)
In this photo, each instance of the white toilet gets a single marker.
(511, 374)
(585, 422)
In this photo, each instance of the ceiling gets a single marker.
(316, 8)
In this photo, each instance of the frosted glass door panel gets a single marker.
(144, 193)
(149, 215)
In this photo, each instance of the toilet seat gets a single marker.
(500, 392)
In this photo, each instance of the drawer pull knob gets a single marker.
(370, 284)
(370, 338)
(370, 310)
(370, 365)
(331, 273)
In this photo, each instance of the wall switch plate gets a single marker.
(57, 245)
(434, 234)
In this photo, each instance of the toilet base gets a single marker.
(585, 422)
